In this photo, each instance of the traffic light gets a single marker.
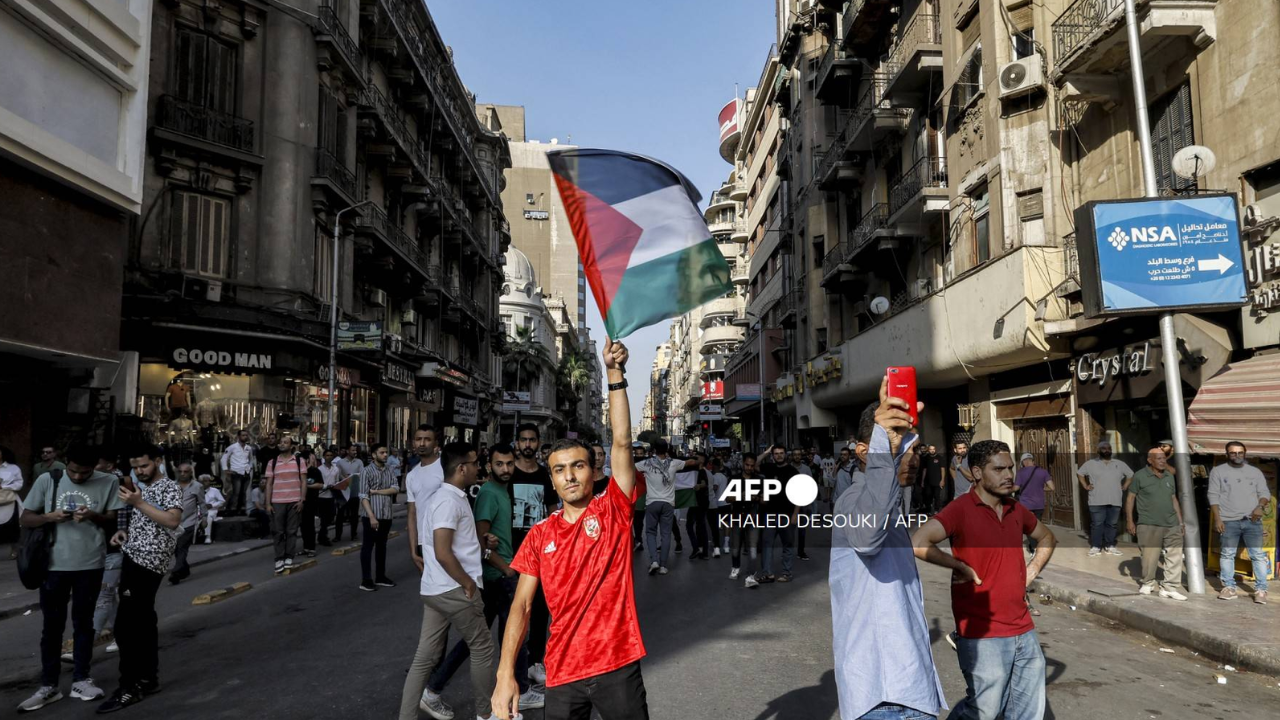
(706, 426)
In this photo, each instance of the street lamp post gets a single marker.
(333, 312)
(759, 328)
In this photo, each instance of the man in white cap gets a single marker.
(1106, 481)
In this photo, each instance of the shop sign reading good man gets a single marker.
(222, 358)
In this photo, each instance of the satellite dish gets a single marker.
(880, 305)
(1193, 161)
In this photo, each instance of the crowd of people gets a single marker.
(541, 539)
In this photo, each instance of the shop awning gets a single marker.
(1240, 403)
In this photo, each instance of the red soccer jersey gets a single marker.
(585, 571)
(993, 548)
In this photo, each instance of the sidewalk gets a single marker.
(1238, 633)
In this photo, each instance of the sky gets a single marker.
(649, 77)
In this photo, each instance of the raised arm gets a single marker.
(880, 496)
(624, 468)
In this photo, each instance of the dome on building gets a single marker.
(518, 269)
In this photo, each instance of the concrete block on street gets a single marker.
(393, 534)
(219, 595)
(347, 550)
(300, 566)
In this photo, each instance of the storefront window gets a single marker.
(185, 410)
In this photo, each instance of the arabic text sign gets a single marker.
(1151, 255)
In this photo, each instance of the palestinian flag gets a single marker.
(646, 251)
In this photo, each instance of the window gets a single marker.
(332, 130)
(1170, 132)
(1024, 44)
(199, 233)
(969, 83)
(205, 71)
(1024, 30)
(981, 225)
(324, 266)
(528, 198)
(819, 250)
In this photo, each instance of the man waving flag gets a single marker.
(644, 246)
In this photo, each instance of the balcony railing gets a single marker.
(923, 29)
(219, 128)
(1078, 22)
(875, 219)
(928, 172)
(373, 217)
(389, 113)
(331, 168)
(332, 26)
(415, 39)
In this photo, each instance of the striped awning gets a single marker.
(1240, 403)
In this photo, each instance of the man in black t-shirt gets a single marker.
(773, 512)
(533, 498)
(930, 481)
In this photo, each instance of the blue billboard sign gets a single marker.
(1155, 255)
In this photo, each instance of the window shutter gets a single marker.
(221, 76)
(1023, 19)
(189, 66)
(970, 34)
(1171, 130)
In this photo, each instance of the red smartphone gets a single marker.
(902, 385)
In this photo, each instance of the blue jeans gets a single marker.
(1002, 676)
(1102, 525)
(1233, 531)
(889, 711)
(658, 515)
(767, 537)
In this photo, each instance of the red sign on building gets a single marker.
(713, 390)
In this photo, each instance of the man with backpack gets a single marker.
(285, 474)
(77, 507)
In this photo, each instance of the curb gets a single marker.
(393, 534)
(299, 567)
(339, 552)
(1208, 645)
(215, 596)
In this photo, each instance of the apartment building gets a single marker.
(271, 129)
(73, 121)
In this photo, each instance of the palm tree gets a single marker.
(526, 355)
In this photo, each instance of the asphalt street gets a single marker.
(312, 645)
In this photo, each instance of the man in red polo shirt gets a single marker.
(997, 646)
(581, 555)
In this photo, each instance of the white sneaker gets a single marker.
(86, 690)
(1146, 588)
(653, 568)
(1095, 552)
(279, 566)
(45, 695)
(113, 647)
(662, 571)
(726, 547)
(715, 552)
(435, 706)
(751, 582)
(538, 674)
(733, 574)
(951, 639)
(533, 699)
(1113, 550)
(68, 657)
(1172, 594)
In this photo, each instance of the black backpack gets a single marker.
(35, 544)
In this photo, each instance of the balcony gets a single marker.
(872, 228)
(973, 342)
(1089, 38)
(860, 129)
(372, 101)
(719, 340)
(438, 74)
(789, 306)
(740, 273)
(373, 223)
(739, 233)
(719, 201)
(915, 64)
(920, 192)
(211, 128)
(721, 227)
(720, 308)
(837, 69)
(336, 48)
(333, 175)
(865, 21)
(739, 191)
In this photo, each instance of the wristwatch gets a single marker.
(618, 385)
(487, 553)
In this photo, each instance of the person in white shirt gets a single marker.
(237, 471)
(10, 487)
(330, 496)
(718, 484)
(451, 581)
(213, 502)
(660, 499)
(423, 482)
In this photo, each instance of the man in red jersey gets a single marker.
(581, 555)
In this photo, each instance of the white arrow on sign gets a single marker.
(1222, 264)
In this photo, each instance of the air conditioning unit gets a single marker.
(378, 298)
(395, 343)
(805, 6)
(409, 317)
(1021, 77)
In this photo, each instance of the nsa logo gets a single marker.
(1118, 239)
